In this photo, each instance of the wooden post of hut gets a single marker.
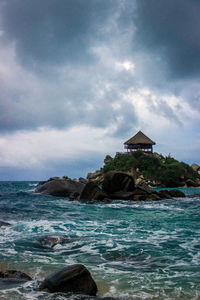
(139, 142)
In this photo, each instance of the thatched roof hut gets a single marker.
(139, 142)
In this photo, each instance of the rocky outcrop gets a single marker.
(14, 276)
(96, 177)
(117, 181)
(75, 278)
(92, 192)
(60, 187)
(114, 186)
(195, 167)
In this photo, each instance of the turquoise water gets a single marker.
(137, 250)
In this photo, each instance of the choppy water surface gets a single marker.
(139, 250)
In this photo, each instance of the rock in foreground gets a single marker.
(75, 278)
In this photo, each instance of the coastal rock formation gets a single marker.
(60, 187)
(2, 223)
(114, 186)
(15, 276)
(91, 191)
(75, 278)
(117, 181)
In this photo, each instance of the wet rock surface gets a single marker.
(14, 276)
(75, 278)
(50, 241)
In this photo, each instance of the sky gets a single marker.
(80, 77)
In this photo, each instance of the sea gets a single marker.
(133, 250)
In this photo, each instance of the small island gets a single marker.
(132, 175)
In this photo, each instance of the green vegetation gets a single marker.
(165, 171)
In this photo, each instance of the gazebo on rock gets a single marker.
(139, 142)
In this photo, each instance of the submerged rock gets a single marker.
(52, 240)
(2, 223)
(75, 278)
(60, 187)
(14, 276)
(117, 181)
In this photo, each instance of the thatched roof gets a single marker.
(139, 138)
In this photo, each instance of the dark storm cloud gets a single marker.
(66, 52)
(53, 31)
(170, 29)
(57, 82)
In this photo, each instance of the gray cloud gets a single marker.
(65, 54)
(53, 31)
(170, 30)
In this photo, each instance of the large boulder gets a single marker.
(117, 181)
(75, 278)
(14, 276)
(60, 187)
(92, 192)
